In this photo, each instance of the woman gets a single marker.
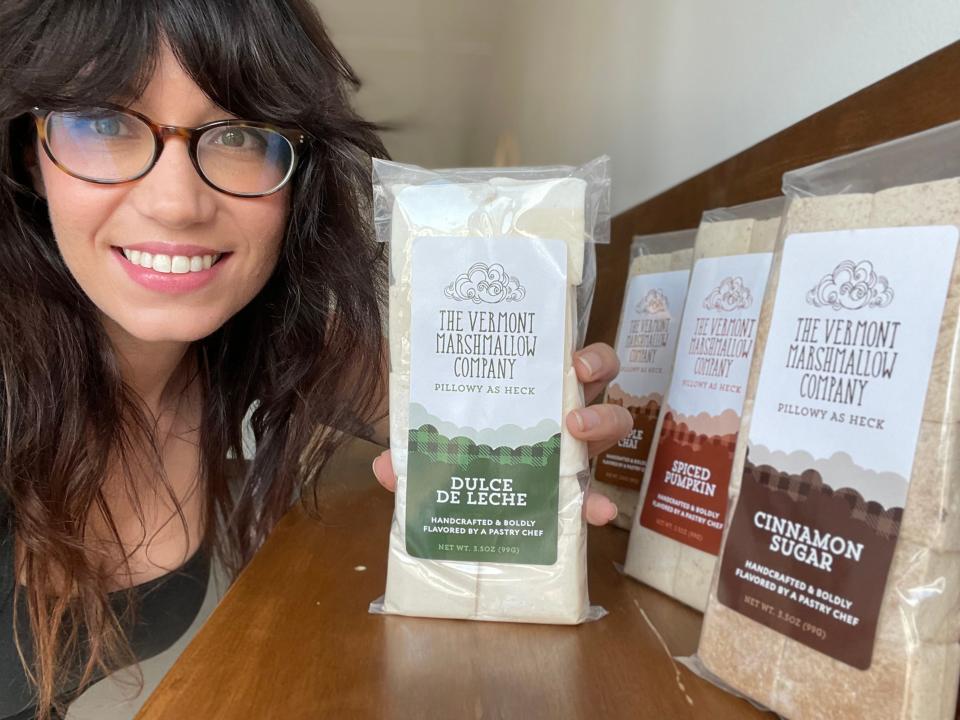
(184, 236)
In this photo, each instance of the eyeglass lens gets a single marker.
(244, 159)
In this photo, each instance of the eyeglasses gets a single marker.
(109, 144)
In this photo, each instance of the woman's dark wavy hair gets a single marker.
(306, 351)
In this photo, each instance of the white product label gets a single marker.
(687, 496)
(834, 433)
(717, 338)
(848, 355)
(647, 338)
(488, 329)
(487, 333)
(646, 343)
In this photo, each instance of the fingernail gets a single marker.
(591, 361)
(587, 418)
(613, 512)
(373, 466)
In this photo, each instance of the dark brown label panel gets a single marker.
(809, 562)
(625, 463)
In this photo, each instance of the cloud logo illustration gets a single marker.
(730, 295)
(653, 303)
(485, 283)
(851, 286)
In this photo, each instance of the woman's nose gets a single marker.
(172, 194)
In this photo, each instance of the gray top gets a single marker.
(168, 606)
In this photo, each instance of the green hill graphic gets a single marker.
(428, 441)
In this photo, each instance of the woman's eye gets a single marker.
(102, 125)
(232, 137)
(241, 138)
(107, 126)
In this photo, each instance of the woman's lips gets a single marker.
(171, 282)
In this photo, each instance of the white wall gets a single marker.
(670, 87)
(666, 87)
(425, 65)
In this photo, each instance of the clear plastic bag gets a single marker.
(883, 223)
(491, 281)
(675, 535)
(646, 342)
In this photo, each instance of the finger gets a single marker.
(600, 425)
(599, 509)
(597, 364)
(383, 470)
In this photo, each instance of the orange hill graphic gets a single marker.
(726, 423)
(685, 436)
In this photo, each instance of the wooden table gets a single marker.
(293, 639)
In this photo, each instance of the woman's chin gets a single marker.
(168, 329)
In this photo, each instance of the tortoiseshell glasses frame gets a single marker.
(288, 144)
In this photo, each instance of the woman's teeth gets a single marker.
(178, 264)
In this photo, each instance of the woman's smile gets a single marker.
(177, 272)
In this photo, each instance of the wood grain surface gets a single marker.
(293, 639)
(918, 97)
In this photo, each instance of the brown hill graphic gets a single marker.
(616, 395)
(809, 483)
(840, 469)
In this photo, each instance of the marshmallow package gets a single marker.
(888, 218)
(670, 552)
(491, 279)
(646, 342)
